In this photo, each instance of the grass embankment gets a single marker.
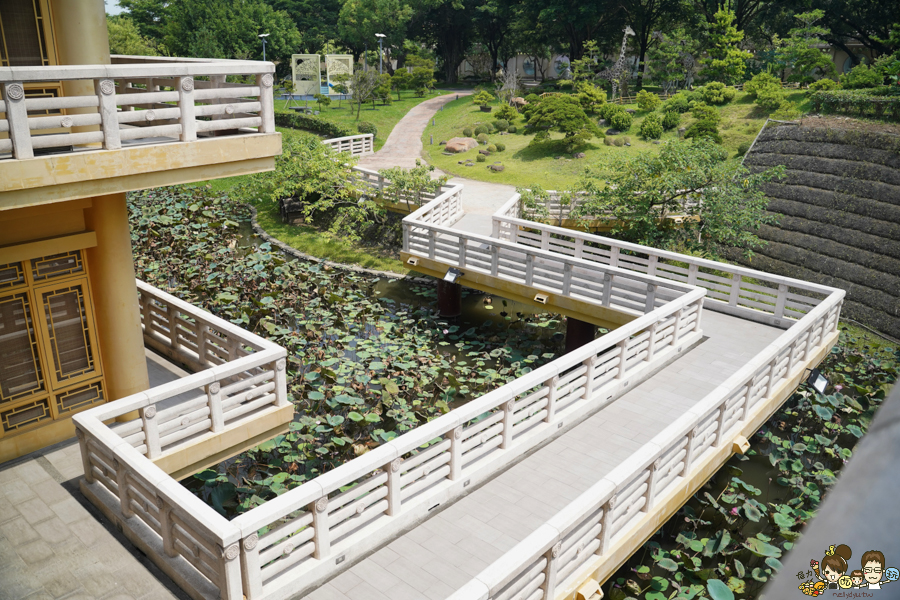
(383, 117)
(527, 165)
(307, 238)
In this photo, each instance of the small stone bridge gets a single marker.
(540, 489)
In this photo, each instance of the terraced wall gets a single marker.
(838, 211)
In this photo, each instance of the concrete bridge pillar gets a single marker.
(578, 333)
(449, 296)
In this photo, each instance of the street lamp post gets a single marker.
(263, 37)
(380, 37)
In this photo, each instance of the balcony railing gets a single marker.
(178, 100)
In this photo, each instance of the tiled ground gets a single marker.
(55, 545)
(439, 556)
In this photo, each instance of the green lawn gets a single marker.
(384, 117)
(527, 165)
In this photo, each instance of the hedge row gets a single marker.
(850, 169)
(865, 207)
(871, 317)
(856, 102)
(842, 251)
(890, 231)
(313, 124)
(859, 239)
(873, 156)
(853, 187)
(866, 140)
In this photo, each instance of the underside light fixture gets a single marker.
(817, 381)
(412, 261)
(541, 298)
(452, 275)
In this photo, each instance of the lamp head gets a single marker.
(263, 35)
(380, 35)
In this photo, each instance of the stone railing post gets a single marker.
(507, 433)
(551, 571)
(17, 118)
(281, 397)
(552, 392)
(393, 486)
(109, 117)
(185, 88)
(455, 437)
(85, 458)
(623, 358)
(321, 535)
(251, 577)
(230, 587)
(150, 426)
(214, 401)
(266, 103)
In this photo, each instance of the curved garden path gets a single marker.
(404, 146)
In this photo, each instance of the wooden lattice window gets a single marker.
(20, 361)
(68, 332)
(22, 416)
(78, 398)
(12, 275)
(57, 265)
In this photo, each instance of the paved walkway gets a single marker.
(442, 554)
(404, 146)
(55, 544)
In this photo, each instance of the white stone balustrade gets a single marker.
(731, 289)
(560, 555)
(177, 99)
(355, 145)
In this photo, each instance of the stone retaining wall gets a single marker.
(838, 211)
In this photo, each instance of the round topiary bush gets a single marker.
(679, 103)
(607, 141)
(619, 142)
(532, 98)
(489, 127)
(620, 120)
(671, 119)
(770, 97)
(492, 147)
(481, 158)
(702, 129)
(513, 129)
(651, 127)
(759, 81)
(481, 129)
(742, 149)
(501, 124)
(823, 85)
(467, 132)
(715, 92)
(500, 146)
(482, 138)
(367, 127)
(647, 100)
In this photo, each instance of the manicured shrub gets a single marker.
(679, 103)
(647, 100)
(823, 85)
(874, 102)
(627, 140)
(483, 98)
(500, 146)
(507, 113)
(861, 77)
(480, 130)
(671, 119)
(651, 127)
(743, 148)
(513, 129)
(704, 112)
(608, 141)
(482, 138)
(759, 81)
(620, 120)
(489, 128)
(501, 124)
(467, 132)
(481, 158)
(492, 148)
(367, 127)
(532, 98)
(312, 124)
(770, 97)
(786, 112)
(619, 142)
(704, 129)
(716, 92)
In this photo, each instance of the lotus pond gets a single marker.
(725, 543)
(368, 358)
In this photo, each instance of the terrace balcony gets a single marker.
(149, 122)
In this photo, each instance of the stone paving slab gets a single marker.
(445, 552)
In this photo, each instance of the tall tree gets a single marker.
(726, 61)
(448, 27)
(646, 16)
(148, 15)
(747, 13)
(316, 20)
(571, 23)
(865, 21)
(493, 22)
(360, 20)
(125, 38)
(802, 51)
